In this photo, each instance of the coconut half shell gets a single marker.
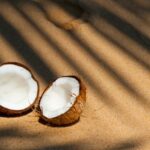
(68, 112)
(18, 89)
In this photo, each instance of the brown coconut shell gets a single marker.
(73, 114)
(10, 112)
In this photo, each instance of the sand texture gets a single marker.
(104, 42)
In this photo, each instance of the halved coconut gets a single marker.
(18, 89)
(63, 101)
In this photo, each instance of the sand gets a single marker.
(108, 48)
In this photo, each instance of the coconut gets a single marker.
(62, 102)
(18, 89)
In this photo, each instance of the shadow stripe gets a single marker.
(110, 70)
(114, 41)
(122, 48)
(95, 9)
(56, 47)
(22, 48)
(134, 8)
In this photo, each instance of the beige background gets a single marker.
(108, 48)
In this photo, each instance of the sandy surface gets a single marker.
(108, 47)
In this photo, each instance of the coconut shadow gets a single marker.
(42, 121)
(6, 115)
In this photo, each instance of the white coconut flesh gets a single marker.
(18, 89)
(59, 97)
